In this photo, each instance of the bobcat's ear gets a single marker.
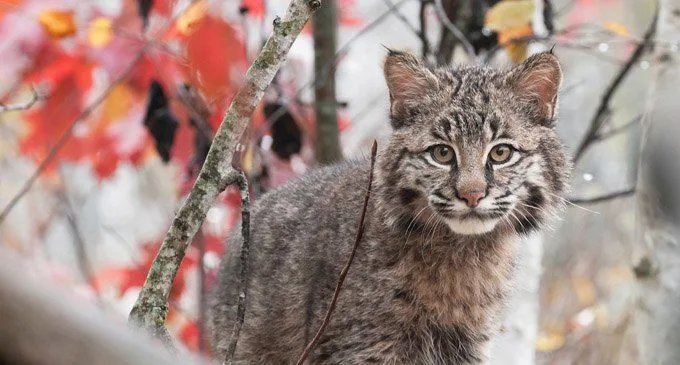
(537, 81)
(408, 80)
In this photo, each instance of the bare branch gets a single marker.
(345, 270)
(403, 19)
(444, 19)
(151, 307)
(341, 52)
(22, 106)
(603, 198)
(603, 110)
(245, 252)
(423, 29)
(618, 130)
(65, 136)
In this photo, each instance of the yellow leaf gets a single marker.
(509, 14)
(516, 50)
(616, 28)
(118, 103)
(58, 23)
(551, 341)
(191, 16)
(99, 34)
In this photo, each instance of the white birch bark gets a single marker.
(658, 264)
(517, 344)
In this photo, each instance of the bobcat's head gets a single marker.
(473, 149)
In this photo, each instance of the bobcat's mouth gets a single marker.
(472, 224)
(472, 221)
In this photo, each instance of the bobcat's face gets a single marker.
(474, 149)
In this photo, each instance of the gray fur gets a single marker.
(427, 284)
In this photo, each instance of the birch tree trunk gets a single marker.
(658, 264)
(517, 344)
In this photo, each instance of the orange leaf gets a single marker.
(7, 6)
(508, 39)
(118, 103)
(191, 17)
(58, 23)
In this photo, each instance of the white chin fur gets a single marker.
(471, 226)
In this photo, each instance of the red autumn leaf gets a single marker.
(347, 14)
(162, 7)
(211, 69)
(58, 112)
(253, 7)
(188, 334)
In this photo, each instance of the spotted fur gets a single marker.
(431, 274)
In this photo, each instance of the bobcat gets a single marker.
(473, 164)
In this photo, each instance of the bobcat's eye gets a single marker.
(442, 154)
(500, 153)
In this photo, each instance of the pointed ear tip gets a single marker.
(548, 57)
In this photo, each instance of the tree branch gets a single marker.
(151, 307)
(617, 130)
(66, 135)
(446, 22)
(423, 29)
(22, 106)
(245, 252)
(605, 197)
(603, 110)
(345, 270)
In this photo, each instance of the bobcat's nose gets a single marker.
(472, 197)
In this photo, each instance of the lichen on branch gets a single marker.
(150, 309)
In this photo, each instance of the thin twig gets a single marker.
(345, 270)
(242, 183)
(617, 130)
(21, 106)
(82, 258)
(602, 113)
(602, 198)
(65, 136)
(402, 18)
(423, 29)
(444, 19)
(331, 63)
(150, 310)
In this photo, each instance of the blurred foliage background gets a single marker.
(109, 106)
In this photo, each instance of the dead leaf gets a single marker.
(58, 23)
(509, 14)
